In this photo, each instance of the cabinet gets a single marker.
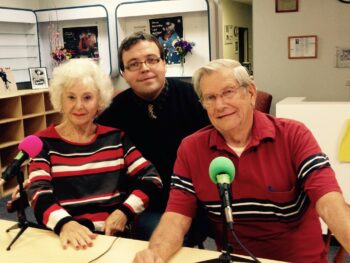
(22, 113)
(137, 16)
(74, 18)
(19, 48)
(328, 130)
(25, 36)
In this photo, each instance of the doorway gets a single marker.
(243, 45)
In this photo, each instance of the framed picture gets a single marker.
(7, 80)
(229, 32)
(38, 78)
(286, 6)
(302, 47)
(168, 30)
(81, 42)
(342, 57)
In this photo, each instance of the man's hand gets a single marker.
(147, 256)
(335, 212)
(166, 239)
(115, 222)
(76, 235)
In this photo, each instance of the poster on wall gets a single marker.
(81, 42)
(168, 30)
(7, 80)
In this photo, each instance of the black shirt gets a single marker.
(157, 128)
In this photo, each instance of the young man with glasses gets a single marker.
(156, 112)
(283, 182)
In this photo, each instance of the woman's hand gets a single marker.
(76, 235)
(15, 193)
(115, 223)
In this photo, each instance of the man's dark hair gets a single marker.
(132, 40)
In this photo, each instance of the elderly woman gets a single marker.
(88, 177)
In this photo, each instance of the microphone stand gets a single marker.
(22, 223)
(226, 256)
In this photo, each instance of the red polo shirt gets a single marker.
(279, 177)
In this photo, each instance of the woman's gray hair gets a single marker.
(239, 72)
(84, 71)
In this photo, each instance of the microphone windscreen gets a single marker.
(221, 165)
(31, 145)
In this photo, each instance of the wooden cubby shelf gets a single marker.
(23, 113)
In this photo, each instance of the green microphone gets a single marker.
(222, 172)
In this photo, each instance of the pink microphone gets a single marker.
(30, 146)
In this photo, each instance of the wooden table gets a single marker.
(36, 245)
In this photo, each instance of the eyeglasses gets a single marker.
(227, 94)
(149, 62)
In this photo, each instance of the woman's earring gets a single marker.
(99, 110)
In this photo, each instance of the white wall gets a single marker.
(316, 79)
